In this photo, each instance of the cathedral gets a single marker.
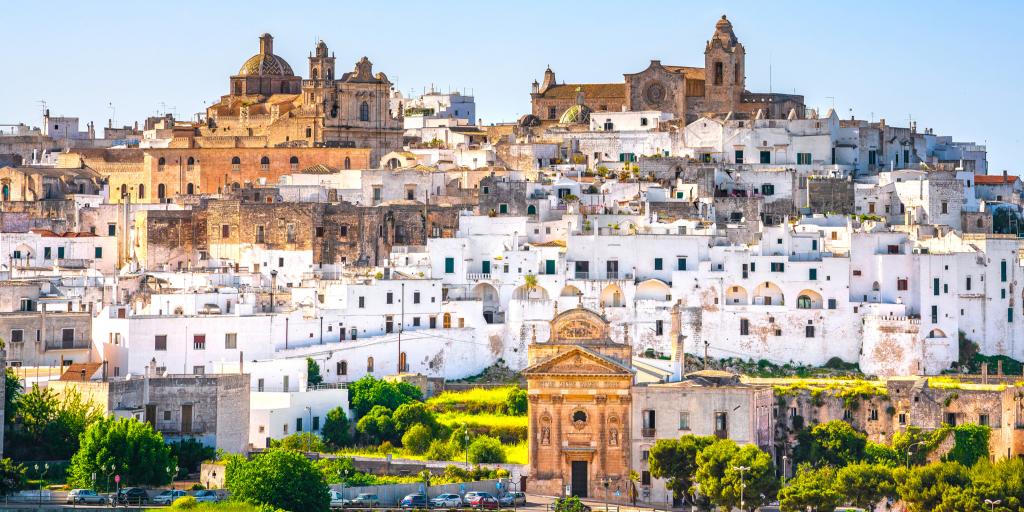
(267, 102)
(717, 87)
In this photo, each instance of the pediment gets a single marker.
(578, 361)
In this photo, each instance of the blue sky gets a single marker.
(952, 66)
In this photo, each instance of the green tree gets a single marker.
(417, 439)
(834, 443)
(866, 484)
(12, 390)
(438, 450)
(336, 428)
(12, 476)
(970, 444)
(47, 425)
(190, 454)
(300, 442)
(676, 461)
(486, 449)
(925, 488)
(138, 452)
(570, 504)
(877, 453)
(722, 483)
(516, 402)
(334, 470)
(811, 488)
(377, 426)
(313, 377)
(1003, 481)
(413, 413)
(368, 392)
(280, 478)
(917, 443)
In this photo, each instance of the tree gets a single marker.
(368, 392)
(191, 454)
(47, 425)
(300, 442)
(417, 439)
(1003, 481)
(12, 476)
(280, 478)
(925, 488)
(970, 444)
(516, 402)
(864, 484)
(12, 390)
(570, 504)
(811, 488)
(137, 451)
(413, 413)
(486, 449)
(377, 426)
(313, 377)
(722, 483)
(676, 461)
(336, 428)
(917, 443)
(834, 443)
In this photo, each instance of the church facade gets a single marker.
(579, 413)
(269, 105)
(717, 87)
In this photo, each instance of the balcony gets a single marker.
(648, 432)
(478, 276)
(80, 343)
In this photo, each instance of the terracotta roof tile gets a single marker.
(590, 91)
(993, 179)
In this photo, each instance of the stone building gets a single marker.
(268, 103)
(579, 390)
(719, 86)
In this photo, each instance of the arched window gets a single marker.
(348, 163)
(191, 189)
(803, 302)
(719, 68)
(161, 191)
(330, 74)
(315, 74)
(531, 210)
(191, 165)
(446, 321)
(160, 163)
(364, 111)
(142, 191)
(236, 163)
(369, 364)
(235, 186)
(294, 163)
(579, 416)
(265, 164)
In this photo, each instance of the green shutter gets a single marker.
(449, 265)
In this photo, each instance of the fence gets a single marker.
(393, 494)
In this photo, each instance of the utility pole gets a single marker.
(401, 327)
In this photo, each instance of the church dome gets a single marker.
(576, 114)
(265, 63)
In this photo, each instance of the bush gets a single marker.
(438, 450)
(197, 487)
(191, 454)
(386, 447)
(486, 449)
(368, 392)
(12, 476)
(516, 402)
(336, 428)
(185, 503)
(300, 441)
(377, 425)
(126, 442)
(413, 413)
(417, 439)
(279, 478)
(569, 504)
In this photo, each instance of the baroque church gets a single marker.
(717, 87)
(268, 103)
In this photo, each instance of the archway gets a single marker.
(612, 296)
(736, 296)
(570, 291)
(653, 289)
(531, 210)
(768, 294)
(937, 333)
(808, 299)
(535, 293)
(488, 294)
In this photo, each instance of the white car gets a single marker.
(207, 496)
(337, 501)
(168, 497)
(446, 501)
(85, 496)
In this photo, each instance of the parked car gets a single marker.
(130, 496)
(337, 501)
(366, 500)
(168, 497)
(468, 497)
(416, 500)
(207, 496)
(446, 501)
(85, 496)
(510, 499)
(484, 500)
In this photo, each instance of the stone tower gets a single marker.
(724, 67)
(321, 66)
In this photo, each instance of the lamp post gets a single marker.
(743, 483)
(175, 470)
(42, 479)
(908, 451)
(785, 465)
(344, 476)
(992, 503)
(273, 286)
(465, 437)
(109, 472)
(309, 435)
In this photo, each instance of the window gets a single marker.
(342, 368)
(1002, 271)
(684, 420)
(902, 284)
(503, 208)
(902, 418)
(316, 422)
(284, 383)
(390, 298)
(236, 164)
(893, 249)
(416, 297)
(872, 157)
(364, 111)
(191, 165)
(812, 274)
(231, 340)
(983, 420)
(832, 304)
(968, 283)
(718, 73)
(415, 321)
(935, 286)
(803, 159)
(98, 252)
(659, 327)
(935, 314)
(199, 342)
(645, 477)
(1009, 315)
(198, 370)
(261, 234)
(259, 385)
(369, 365)
(348, 163)
(160, 342)
(17, 335)
(744, 327)
(680, 263)
(721, 423)
(298, 424)
(778, 267)
(767, 189)
(293, 162)
(739, 156)
(657, 263)
(552, 112)
(945, 207)
(449, 265)
(643, 121)
(111, 229)
(766, 157)
(362, 302)
(377, 193)
(225, 231)
(873, 414)
(809, 331)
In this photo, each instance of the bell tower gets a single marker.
(724, 69)
(321, 66)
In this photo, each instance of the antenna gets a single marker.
(769, 72)
(42, 105)
(113, 113)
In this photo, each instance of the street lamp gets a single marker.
(344, 477)
(309, 435)
(273, 285)
(465, 437)
(175, 470)
(42, 479)
(908, 451)
(992, 503)
(743, 483)
(109, 472)
(785, 465)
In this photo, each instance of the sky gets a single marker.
(951, 66)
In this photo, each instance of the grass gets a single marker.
(454, 419)
(224, 506)
(475, 400)
(518, 453)
(953, 383)
(514, 454)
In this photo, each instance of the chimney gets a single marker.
(999, 367)
(984, 373)
(881, 123)
(678, 354)
(1006, 179)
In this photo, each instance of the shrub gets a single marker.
(377, 425)
(300, 441)
(191, 454)
(569, 504)
(12, 476)
(386, 447)
(129, 444)
(280, 478)
(413, 413)
(417, 439)
(438, 450)
(197, 487)
(486, 449)
(185, 503)
(336, 428)
(516, 402)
